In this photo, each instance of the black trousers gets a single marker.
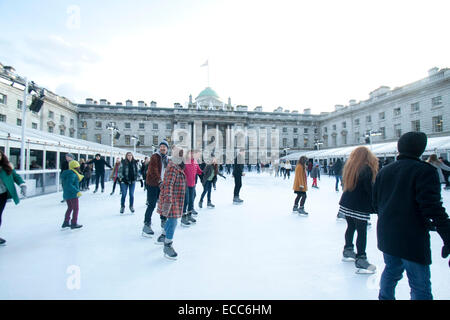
(3, 198)
(100, 176)
(360, 226)
(237, 185)
(152, 198)
(301, 196)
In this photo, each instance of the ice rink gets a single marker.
(258, 250)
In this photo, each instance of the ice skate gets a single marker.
(65, 226)
(96, 189)
(169, 252)
(210, 205)
(75, 226)
(122, 210)
(147, 231)
(363, 266)
(237, 200)
(302, 212)
(194, 213)
(348, 255)
(200, 204)
(2, 242)
(131, 209)
(185, 221)
(161, 239)
(190, 218)
(295, 209)
(340, 217)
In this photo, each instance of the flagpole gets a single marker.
(208, 72)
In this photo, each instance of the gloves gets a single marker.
(446, 252)
(79, 194)
(23, 190)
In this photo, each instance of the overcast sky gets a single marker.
(293, 54)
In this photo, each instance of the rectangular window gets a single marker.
(398, 130)
(51, 114)
(305, 142)
(19, 122)
(98, 124)
(344, 139)
(98, 138)
(127, 140)
(357, 136)
(155, 126)
(295, 142)
(19, 104)
(381, 116)
(325, 129)
(397, 112)
(415, 107)
(436, 101)
(141, 140)
(62, 118)
(415, 125)
(344, 124)
(438, 124)
(284, 142)
(127, 125)
(71, 133)
(141, 125)
(155, 140)
(182, 126)
(334, 127)
(34, 125)
(284, 130)
(368, 119)
(305, 130)
(295, 130)
(3, 98)
(2, 118)
(62, 132)
(383, 132)
(168, 126)
(83, 136)
(356, 122)
(50, 129)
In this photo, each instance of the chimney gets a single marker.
(352, 102)
(153, 104)
(141, 103)
(129, 103)
(338, 107)
(433, 71)
(103, 102)
(118, 103)
(89, 101)
(307, 111)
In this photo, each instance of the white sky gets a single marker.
(294, 54)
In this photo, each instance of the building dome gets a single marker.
(207, 93)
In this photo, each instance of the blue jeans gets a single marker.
(337, 182)
(206, 190)
(124, 188)
(418, 277)
(189, 199)
(169, 228)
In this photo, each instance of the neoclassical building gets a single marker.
(209, 123)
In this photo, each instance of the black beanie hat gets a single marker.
(412, 144)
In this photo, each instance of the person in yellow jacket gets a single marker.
(300, 186)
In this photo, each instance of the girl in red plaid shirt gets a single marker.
(171, 200)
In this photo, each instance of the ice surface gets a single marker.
(258, 250)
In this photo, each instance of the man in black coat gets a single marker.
(407, 198)
(445, 172)
(337, 169)
(99, 164)
(238, 172)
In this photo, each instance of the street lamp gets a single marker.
(318, 143)
(114, 129)
(135, 139)
(371, 133)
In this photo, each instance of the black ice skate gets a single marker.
(65, 226)
(2, 242)
(302, 212)
(75, 226)
(194, 213)
(348, 255)
(295, 209)
(147, 231)
(237, 200)
(363, 266)
(122, 209)
(96, 189)
(132, 209)
(200, 204)
(340, 216)
(190, 218)
(211, 206)
(185, 221)
(169, 252)
(161, 239)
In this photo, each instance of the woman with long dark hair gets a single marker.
(8, 177)
(300, 186)
(128, 175)
(359, 175)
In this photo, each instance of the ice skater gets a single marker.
(128, 175)
(337, 171)
(407, 198)
(287, 169)
(315, 174)
(191, 170)
(71, 192)
(99, 164)
(238, 173)
(359, 175)
(8, 177)
(114, 175)
(209, 178)
(300, 186)
(171, 200)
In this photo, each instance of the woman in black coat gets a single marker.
(359, 174)
(128, 175)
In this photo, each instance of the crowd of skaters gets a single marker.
(405, 192)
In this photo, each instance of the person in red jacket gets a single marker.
(191, 170)
(171, 200)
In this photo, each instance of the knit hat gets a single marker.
(73, 164)
(70, 155)
(412, 144)
(164, 142)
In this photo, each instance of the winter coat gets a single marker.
(359, 200)
(440, 167)
(288, 166)
(315, 172)
(337, 167)
(407, 198)
(191, 170)
(300, 180)
(99, 165)
(154, 169)
(173, 189)
(70, 184)
(8, 181)
(124, 175)
(115, 171)
(207, 173)
(86, 171)
(238, 167)
(310, 166)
